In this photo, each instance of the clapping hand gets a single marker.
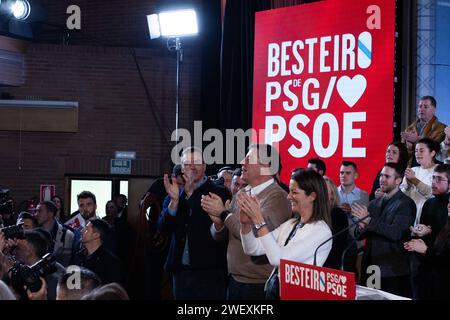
(417, 245)
(172, 189)
(410, 136)
(213, 204)
(379, 193)
(251, 206)
(360, 211)
(421, 230)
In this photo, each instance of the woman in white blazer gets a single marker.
(297, 238)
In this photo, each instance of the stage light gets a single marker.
(178, 23)
(174, 25)
(21, 9)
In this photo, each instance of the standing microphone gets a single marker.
(337, 234)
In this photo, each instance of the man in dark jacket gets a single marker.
(197, 261)
(386, 227)
(95, 256)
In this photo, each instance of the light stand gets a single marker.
(175, 44)
(174, 25)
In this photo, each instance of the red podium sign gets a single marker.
(324, 84)
(299, 281)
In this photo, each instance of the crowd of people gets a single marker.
(227, 235)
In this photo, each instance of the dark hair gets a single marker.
(350, 163)
(431, 144)
(37, 241)
(51, 206)
(237, 172)
(124, 198)
(86, 195)
(46, 235)
(431, 98)
(62, 203)
(88, 282)
(176, 170)
(311, 181)
(443, 168)
(297, 170)
(110, 201)
(268, 155)
(26, 215)
(110, 291)
(399, 169)
(320, 164)
(101, 227)
(227, 168)
(403, 155)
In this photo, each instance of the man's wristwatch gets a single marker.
(258, 226)
(224, 215)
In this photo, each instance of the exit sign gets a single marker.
(120, 166)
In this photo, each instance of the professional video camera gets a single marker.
(28, 276)
(13, 232)
(6, 203)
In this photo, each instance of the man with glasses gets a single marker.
(432, 221)
(196, 260)
(434, 212)
(248, 275)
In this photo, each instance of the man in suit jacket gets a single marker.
(386, 227)
(197, 261)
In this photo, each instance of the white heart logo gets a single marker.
(351, 90)
(343, 279)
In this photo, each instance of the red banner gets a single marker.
(299, 281)
(324, 84)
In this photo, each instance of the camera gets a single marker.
(28, 276)
(13, 232)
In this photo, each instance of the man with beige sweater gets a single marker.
(249, 274)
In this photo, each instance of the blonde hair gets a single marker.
(331, 186)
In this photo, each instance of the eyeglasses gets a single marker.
(438, 179)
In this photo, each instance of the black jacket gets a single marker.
(193, 222)
(388, 229)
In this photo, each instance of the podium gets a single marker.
(300, 281)
(364, 293)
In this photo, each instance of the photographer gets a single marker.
(28, 251)
(62, 246)
(7, 215)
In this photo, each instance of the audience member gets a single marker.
(317, 165)
(417, 181)
(248, 274)
(339, 222)
(95, 256)
(75, 283)
(426, 126)
(385, 228)
(196, 260)
(396, 152)
(295, 239)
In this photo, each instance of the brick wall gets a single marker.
(114, 112)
